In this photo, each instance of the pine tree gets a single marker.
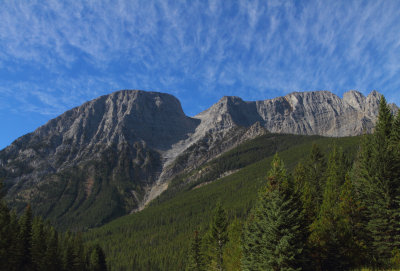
(300, 178)
(326, 230)
(5, 234)
(38, 248)
(382, 188)
(52, 256)
(196, 258)
(97, 259)
(14, 253)
(67, 251)
(394, 188)
(78, 253)
(351, 229)
(377, 181)
(233, 249)
(217, 237)
(273, 236)
(25, 240)
(313, 184)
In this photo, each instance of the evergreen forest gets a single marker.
(29, 243)
(329, 215)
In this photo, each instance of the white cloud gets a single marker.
(251, 48)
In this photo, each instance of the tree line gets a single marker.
(32, 244)
(330, 214)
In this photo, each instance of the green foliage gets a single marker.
(377, 181)
(273, 236)
(328, 229)
(157, 237)
(233, 248)
(196, 257)
(24, 241)
(38, 245)
(31, 244)
(313, 183)
(5, 237)
(97, 261)
(247, 153)
(216, 239)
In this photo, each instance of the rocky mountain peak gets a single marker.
(129, 117)
(355, 98)
(133, 142)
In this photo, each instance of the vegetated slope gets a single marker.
(94, 162)
(115, 154)
(158, 237)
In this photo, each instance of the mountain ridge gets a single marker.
(146, 132)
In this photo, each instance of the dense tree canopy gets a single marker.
(29, 243)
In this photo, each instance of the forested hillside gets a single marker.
(29, 243)
(159, 237)
(323, 204)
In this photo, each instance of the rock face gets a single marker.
(308, 113)
(132, 142)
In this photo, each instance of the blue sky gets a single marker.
(55, 55)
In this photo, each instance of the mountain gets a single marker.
(113, 155)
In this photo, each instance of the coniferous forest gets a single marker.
(331, 205)
(29, 243)
(329, 215)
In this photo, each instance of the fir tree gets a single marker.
(233, 249)
(196, 258)
(25, 240)
(273, 236)
(326, 230)
(14, 250)
(300, 178)
(218, 237)
(78, 253)
(351, 231)
(5, 234)
(313, 185)
(52, 257)
(38, 248)
(97, 259)
(377, 180)
(67, 251)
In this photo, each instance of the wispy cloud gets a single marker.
(55, 55)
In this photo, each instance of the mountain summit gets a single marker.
(116, 153)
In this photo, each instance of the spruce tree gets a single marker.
(327, 229)
(217, 237)
(196, 258)
(377, 180)
(300, 178)
(52, 256)
(38, 248)
(14, 253)
(5, 235)
(351, 229)
(382, 188)
(25, 240)
(233, 249)
(313, 184)
(97, 260)
(78, 253)
(67, 247)
(394, 147)
(273, 236)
